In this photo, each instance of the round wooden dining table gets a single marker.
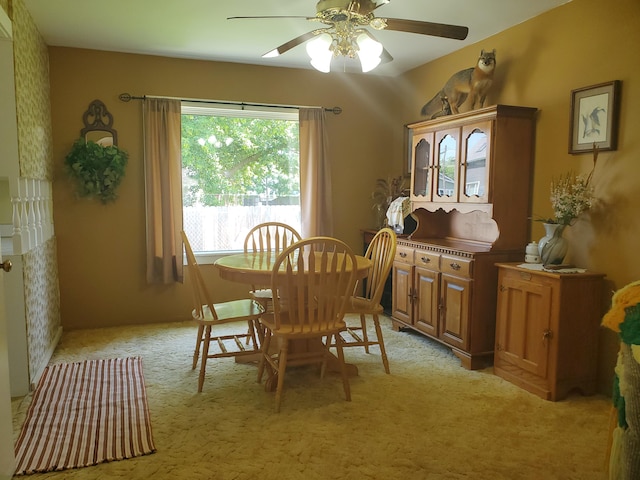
(255, 268)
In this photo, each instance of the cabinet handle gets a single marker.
(455, 266)
(412, 295)
(425, 259)
(503, 288)
(402, 255)
(547, 335)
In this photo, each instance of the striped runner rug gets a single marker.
(83, 414)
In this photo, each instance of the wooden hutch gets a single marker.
(470, 195)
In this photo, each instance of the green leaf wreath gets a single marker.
(97, 170)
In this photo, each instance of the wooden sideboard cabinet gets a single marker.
(547, 330)
(470, 195)
(446, 290)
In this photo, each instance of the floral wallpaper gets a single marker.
(41, 291)
(31, 63)
(42, 302)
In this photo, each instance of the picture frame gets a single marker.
(594, 117)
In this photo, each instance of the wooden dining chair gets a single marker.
(313, 279)
(368, 293)
(209, 315)
(269, 238)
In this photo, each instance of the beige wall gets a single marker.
(101, 248)
(539, 62)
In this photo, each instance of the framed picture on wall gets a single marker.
(594, 117)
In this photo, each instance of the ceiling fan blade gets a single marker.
(271, 16)
(382, 3)
(385, 57)
(427, 28)
(285, 47)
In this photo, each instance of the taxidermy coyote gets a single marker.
(465, 90)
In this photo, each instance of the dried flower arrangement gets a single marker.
(571, 195)
(385, 192)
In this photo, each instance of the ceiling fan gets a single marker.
(346, 33)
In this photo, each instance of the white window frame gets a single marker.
(233, 110)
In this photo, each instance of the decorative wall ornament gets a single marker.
(98, 124)
(594, 117)
(95, 162)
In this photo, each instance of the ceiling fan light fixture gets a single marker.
(319, 50)
(369, 52)
(369, 64)
(273, 53)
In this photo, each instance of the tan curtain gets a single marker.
(163, 189)
(315, 175)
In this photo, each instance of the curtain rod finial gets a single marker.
(125, 97)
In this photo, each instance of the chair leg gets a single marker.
(265, 352)
(383, 352)
(252, 333)
(363, 323)
(343, 368)
(325, 356)
(205, 356)
(282, 367)
(264, 304)
(196, 352)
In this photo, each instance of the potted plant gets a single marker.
(96, 169)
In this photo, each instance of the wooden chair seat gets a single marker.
(209, 315)
(268, 237)
(287, 330)
(381, 252)
(319, 276)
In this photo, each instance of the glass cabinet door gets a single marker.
(447, 166)
(474, 167)
(422, 166)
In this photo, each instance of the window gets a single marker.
(472, 188)
(240, 167)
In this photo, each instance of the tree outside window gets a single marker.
(238, 171)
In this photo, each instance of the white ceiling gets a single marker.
(199, 29)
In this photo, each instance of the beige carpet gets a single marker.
(430, 419)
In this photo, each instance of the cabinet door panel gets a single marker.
(422, 166)
(426, 306)
(524, 310)
(446, 161)
(455, 297)
(401, 297)
(475, 163)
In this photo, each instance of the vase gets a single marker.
(553, 246)
(381, 216)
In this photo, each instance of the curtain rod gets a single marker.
(126, 97)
